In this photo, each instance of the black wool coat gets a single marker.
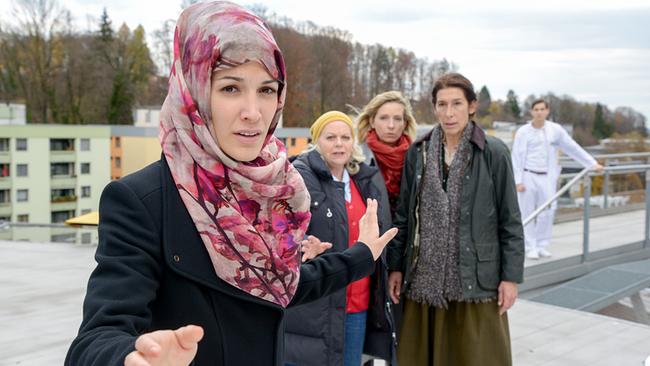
(315, 331)
(153, 272)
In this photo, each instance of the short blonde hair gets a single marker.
(370, 111)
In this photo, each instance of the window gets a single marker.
(21, 144)
(21, 170)
(61, 169)
(292, 141)
(22, 218)
(85, 144)
(5, 196)
(61, 216)
(85, 168)
(118, 162)
(85, 211)
(4, 144)
(85, 191)
(61, 144)
(22, 195)
(4, 170)
(118, 142)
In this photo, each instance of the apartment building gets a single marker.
(50, 173)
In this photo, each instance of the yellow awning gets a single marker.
(90, 219)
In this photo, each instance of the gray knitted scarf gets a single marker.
(436, 278)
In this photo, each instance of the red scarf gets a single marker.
(390, 159)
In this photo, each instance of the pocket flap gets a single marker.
(487, 252)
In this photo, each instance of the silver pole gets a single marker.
(585, 221)
(606, 186)
(647, 208)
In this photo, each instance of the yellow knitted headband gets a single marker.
(323, 120)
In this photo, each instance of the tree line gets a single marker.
(65, 75)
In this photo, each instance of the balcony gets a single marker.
(5, 183)
(6, 209)
(64, 205)
(63, 181)
(59, 199)
(63, 156)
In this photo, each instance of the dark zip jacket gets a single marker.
(491, 234)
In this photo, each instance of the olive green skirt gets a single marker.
(465, 334)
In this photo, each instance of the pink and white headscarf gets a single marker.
(250, 215)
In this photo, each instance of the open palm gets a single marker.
(166, 347)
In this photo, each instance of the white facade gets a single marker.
(12, 114)
(146, 117)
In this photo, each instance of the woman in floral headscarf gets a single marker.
(203, 244)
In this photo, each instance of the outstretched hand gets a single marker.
(369, 230)
(312, 247)
(166, 347)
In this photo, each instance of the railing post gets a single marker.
(606, 185)
(585, 222)
(647, 208)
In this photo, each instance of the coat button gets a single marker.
(469, 287)
(316, 203)
(467, 177)
(177, 258)
(467, 249)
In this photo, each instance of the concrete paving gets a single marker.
(42, 287)
(604, 232)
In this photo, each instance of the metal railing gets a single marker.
(585, 175)
(615, 160)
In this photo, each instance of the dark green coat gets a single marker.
(491, 234)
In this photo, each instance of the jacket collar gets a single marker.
(478, 137)
(183, 248)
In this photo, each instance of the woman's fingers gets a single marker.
(135, 358)
(147, 345)
(395, 286)
(388, 236)
(189, 336)
(507, 295)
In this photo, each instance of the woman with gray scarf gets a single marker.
(459, 253)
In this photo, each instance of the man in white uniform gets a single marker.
(536, 168)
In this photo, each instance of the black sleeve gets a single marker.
(395, 252)
(511, 232)
(330, 272)
(124, 283)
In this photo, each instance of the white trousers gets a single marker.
(537, 233)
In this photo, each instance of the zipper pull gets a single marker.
(329, 213)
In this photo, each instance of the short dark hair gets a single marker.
(538, 101)
(454, 80)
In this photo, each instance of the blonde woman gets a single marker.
(386, 127)
(333, 330)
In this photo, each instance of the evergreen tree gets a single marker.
(601, 128)
(512, 105)
(484, 102)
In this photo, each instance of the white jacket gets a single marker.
(556, 137)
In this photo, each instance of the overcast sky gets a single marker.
(593, 50)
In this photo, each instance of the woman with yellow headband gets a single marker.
(333, 330)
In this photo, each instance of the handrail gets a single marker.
(614, 156)
(576, 178)
(555, 196)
